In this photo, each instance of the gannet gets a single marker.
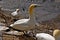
(44, 36)
(29, 23)
(56, 34)
(15, 12)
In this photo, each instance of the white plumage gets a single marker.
(44, 36)
(15, 12)
(3, 27)
(26, 24)
(14, 33)
(20, 22)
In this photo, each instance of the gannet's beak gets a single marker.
(38, 5)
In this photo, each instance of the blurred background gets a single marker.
(50, 9)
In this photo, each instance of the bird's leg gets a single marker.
(29, 34)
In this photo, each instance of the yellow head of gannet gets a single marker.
(32, 6)
(56, 34)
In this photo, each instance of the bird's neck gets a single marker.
(30, 11)
(32, 18)
(16, 11)
(31, 15)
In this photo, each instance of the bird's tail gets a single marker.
(11, 25)
(14, 29)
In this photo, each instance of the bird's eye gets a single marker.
(35, 6)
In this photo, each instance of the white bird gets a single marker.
(44, 36)
(3, 27)
(14, 33)
(29, 23)
(15, 12)
(56, 34)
